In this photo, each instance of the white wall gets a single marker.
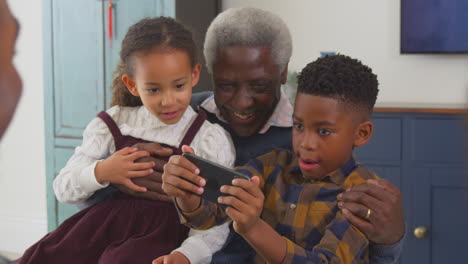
(370, 30)
(23, 214)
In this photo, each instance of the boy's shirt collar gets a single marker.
(337, 176)
(281, 117)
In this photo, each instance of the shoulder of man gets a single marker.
(199, 98)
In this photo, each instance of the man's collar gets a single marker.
(281, 117)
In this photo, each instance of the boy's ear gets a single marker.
(363, 133)
(131, 86)
(196, 74)
(284, 74)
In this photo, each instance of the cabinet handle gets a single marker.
(420, 232)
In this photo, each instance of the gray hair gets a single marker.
(247, 26)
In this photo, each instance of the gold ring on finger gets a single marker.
(368, 214)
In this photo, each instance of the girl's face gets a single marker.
(163, 79)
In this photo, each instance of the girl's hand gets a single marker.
(180, 179)
(246, 201)
(173, 258)
(121, 167)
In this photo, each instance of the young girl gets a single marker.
(150, 104)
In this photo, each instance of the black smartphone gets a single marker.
(215, 175)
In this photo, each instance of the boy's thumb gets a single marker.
(187, 149)
(256, 180)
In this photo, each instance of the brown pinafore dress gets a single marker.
(123, 229)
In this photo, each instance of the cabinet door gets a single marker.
(437, 186)
(126, 13)
(74, 84)
(78, 61)
(439, 204)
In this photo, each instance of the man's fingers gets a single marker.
(373, 191)
(154, 149)
(149, 183)
(133, 186)
(139, 173)
(138, 154)
(158, 163)
(361, 198)
(126, 151)
(357, 210)
(386, 185)
(142, 166)
(361, 224)
(182, 167)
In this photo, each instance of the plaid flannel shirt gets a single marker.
(303, 211)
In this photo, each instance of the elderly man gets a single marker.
(247, 52)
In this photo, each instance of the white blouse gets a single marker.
(77, 182)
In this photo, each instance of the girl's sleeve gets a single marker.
(200, 246)
(215, 144)
(77, 182)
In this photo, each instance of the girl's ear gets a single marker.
(196, 74)
(363, 133)
(127, 80)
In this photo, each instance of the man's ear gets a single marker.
(284, 74)
(363, 133)
(196, 74)
(130, 83)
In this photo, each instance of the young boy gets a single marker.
(289, 211)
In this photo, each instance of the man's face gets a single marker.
(10, 83)
(247, 86)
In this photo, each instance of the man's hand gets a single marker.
(385, 224)
(246, 201)
(152, 182)
(173, 258)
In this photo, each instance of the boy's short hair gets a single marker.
(343, 78)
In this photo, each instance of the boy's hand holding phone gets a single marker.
(246, 203)
(178, 180)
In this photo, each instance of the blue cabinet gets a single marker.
(78, 61)
(423, 155)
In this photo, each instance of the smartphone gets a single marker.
(215, 175)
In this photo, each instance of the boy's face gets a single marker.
(324, 134)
